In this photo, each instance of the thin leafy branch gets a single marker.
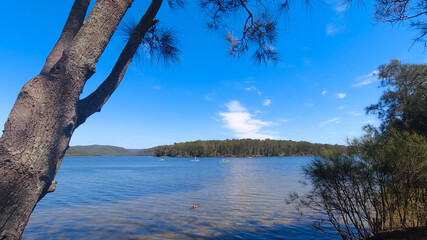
(379, 184)
(159, 45)
(401, 11)
(257, 30)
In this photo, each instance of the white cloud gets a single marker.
(355, 114)
(157, 87)
(307, 61)
(208, 98)
(341, 8)
(368, 122)
(341, 95)
(285, 120)
(309, 104)
(234, 106)
(239, 120)
(332, 29)
(267, 102)
(366, 79)
(333, 120)
(324, 92)
(340, 107)
(253, 89)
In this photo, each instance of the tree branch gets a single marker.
(72, 26)
(94, 102)
(91, 40)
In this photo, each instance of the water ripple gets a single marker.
(142, 198)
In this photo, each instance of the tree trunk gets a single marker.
(43, 119)
(33, 144)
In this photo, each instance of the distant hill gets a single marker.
(106, 150)
(144, 152)
(97, 150)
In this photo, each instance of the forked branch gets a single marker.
(94, 102)
(72, 26)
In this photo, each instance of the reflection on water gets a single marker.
(143, 198)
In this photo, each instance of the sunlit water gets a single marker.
(143, 198)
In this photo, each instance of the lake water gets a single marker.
(144, 198)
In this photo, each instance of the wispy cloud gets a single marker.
(341, 95)
(368, 121)
(355, 114)
(324, 92)
(285, 120)
(309, 104)
(253, 89)
(235, 106)
(332, 29)
(307, 62)
(157, 87)
(366, 79)
(333, 120)
(267, 102)
(239, 120)
(208, 98)
(341, 108)
(341, 8)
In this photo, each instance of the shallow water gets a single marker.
(143, 198)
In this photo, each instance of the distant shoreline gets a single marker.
(186, 157)
(212, 148)
(105, 150)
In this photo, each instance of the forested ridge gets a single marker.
(243, 148)
(106, 150)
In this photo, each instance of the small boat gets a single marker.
(195, 159)
(223, 160)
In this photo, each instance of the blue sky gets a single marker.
(317, 92)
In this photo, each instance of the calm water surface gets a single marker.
(143, 198)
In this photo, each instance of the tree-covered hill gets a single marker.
(97, 150)
(211, 148)
(242, 147)
(144, 152)
(106, 150)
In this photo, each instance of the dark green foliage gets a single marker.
(243, 147)
(403, 104)
(380, 184)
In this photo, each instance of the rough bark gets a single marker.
(44, 117)
(72, 26)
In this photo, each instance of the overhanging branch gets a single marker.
(72, 26)
(94, 102)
